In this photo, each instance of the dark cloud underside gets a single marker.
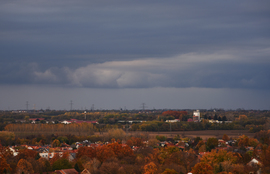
(139, 44)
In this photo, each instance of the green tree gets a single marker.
(61, 163)
(26, 118)
(56, 143)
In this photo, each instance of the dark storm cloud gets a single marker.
(121, 44)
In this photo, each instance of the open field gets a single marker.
(204, 134)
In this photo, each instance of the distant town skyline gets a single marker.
(115, 54)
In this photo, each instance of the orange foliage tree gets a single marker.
(87, 151)
(120, 150)
(202, 168)
(246, 141)
(133, 141)
(225, 137)
(265, 157)
(24, 166)
(26, 153)
(4, 166)
(104, 152)
(150, 168)
(169, 171)
(215, 158)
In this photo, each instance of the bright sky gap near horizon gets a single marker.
(120, 54)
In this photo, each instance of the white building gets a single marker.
(173, 121)
(196, 116)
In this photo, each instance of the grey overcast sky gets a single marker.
(120, 54)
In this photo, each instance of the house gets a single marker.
(66, 122)
(66, 171)
(173, 121)
(13, 151)
(254, 161)
(196, 116)
(85, 171)
(44, 155)
(35, 120)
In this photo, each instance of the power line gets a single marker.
(143, 106)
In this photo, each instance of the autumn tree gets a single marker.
(150, 168)
(110, 167)
(116, 133)
(214, 158)
(152, 142)
(27, 153)
(133, 141)
(56, 143)
(4, 166)
(104, 152)
(35, 164)
(169, 171)
(92, 165)
(202, 148)
(44, 164)
(200, 143)
(202, 168)
(7, 137)
(246, 141)
(25, 167)
(87, 151)
(238, 169)
(242, 117)
(265, 157)
(225, 137)
(173, 155)
(175, 167)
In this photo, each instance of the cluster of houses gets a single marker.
(78, 121)
(48, 152)
(38, 120)
(197, 118)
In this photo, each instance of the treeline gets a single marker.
(156, 126)
(10, 138)
(74, 128)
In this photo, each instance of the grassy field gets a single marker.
(204, 134)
